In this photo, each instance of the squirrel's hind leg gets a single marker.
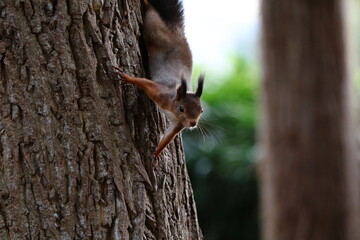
(157, 35)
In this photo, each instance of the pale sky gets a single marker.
(216, 28)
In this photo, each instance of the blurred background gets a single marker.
(221, 153)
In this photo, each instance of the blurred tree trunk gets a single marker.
(76, 145)
(310, 180)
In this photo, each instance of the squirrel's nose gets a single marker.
(193, 123)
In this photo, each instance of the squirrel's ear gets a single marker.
(200, 85)
(181, 91)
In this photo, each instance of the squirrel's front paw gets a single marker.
(157, 153)
(120, 73)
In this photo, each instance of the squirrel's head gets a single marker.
(188, 105)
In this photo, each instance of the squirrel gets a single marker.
(170, 68)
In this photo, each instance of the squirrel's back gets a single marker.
(170, 58)
(171, 11)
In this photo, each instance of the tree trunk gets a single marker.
(310, 182)
(76, 145)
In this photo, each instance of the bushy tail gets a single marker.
(171, 11)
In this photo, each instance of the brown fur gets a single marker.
(170, 64)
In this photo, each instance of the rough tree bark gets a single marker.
(76, 145)
(310, 183)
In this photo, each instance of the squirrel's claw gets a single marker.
(168, 136)
(157, 152)
(116, 70)
(120, 73)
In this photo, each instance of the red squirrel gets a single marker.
(170, 67)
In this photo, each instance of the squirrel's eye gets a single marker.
(182, 109)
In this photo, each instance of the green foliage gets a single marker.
(221, 156)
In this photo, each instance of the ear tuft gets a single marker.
(200, 85)
(181, 91)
